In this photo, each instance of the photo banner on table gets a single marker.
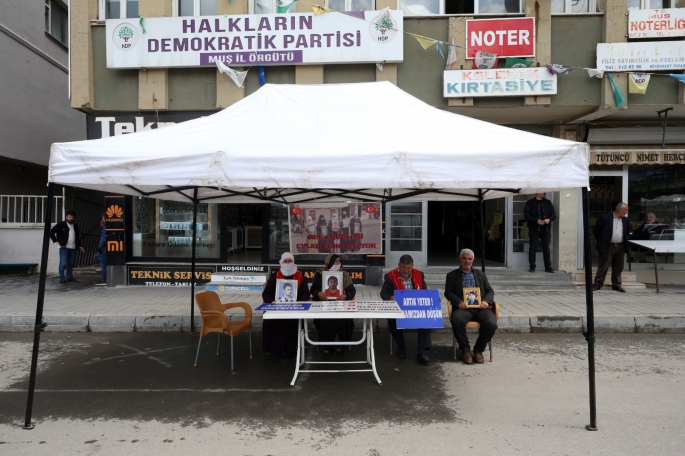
(282, 306)
(422, 309)
(349, 227)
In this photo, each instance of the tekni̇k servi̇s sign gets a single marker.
(265, 39)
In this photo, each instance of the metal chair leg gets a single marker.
(250, 343)
(454, 346)
(198, 351)
(218, 344)
(231, 353)
(490, 345)
(390, 336)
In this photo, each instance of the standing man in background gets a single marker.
(66, 234)
(539, 213)
(612, 233)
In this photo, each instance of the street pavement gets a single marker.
(139, 394)
(85, 307)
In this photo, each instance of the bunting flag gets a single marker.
(517, 63)
(618, 96)
(679, 77)
(559, 69)
(261, 73)
(379, 66)
(141, 24)
(425, 42)
(318, 10)
(236, 76)
(484, 60)
(284, 5)
(451, 55)
(438, 45)
(593, 73)
(638, 82)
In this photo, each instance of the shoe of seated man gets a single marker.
(478, 357)
(402, 352)
(466, 356)
(422, 358)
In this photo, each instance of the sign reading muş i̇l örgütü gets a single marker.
(503, 82)
(247, 40)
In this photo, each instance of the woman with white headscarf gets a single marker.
(279, 337)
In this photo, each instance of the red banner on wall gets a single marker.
(505, 37)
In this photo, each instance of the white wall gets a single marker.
(24, 245)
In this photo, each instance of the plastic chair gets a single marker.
(214, 320)
(471, 324)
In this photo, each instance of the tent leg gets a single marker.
(39, 325)
(589, 303)
(192, 265)
(482, 230)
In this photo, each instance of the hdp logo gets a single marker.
(383, 28)
(114, 210)
(125, 36)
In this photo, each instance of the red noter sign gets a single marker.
(505, 37)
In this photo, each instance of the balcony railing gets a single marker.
(28, 210)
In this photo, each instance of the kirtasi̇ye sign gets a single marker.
(656, 23)
(641, 56)
(504, 82)
(505, 37)
(640, 157)
(265, 39)
(168, 276)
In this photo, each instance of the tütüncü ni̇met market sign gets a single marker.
(264, 39)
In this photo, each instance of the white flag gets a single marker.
(236, 76)
(451, 55)
(595, 73)
(484, 60)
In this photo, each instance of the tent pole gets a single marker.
(39, 325)
(192, 266)
(589, 304)
(482, 230)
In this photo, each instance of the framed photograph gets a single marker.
(286, 290)
(333, 284)
(472, 297)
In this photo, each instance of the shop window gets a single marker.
(649, 4)
(351, 5)
(269, 7)
(574, 6)
(56, 21)
(118, 9)
(425, 7)
(164, 229)
(406, 227)
(194, 8)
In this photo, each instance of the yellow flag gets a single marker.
(319, 10)
(425, 42)
(638, 82)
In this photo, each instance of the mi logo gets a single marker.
(115, 246)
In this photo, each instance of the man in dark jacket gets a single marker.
(539, 213)
(66, 234)
(612, 232)
(457, 280)
(405, 277)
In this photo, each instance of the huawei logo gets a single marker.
(115, 211)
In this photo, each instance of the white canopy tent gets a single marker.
(296, 143)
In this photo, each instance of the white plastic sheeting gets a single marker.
(307, 141)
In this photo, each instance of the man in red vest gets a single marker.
(405, 277)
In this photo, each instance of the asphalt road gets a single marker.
(138, 393)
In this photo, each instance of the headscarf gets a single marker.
(330, 261)
(322, 220)
(287, 269)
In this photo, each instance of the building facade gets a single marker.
(632, 159)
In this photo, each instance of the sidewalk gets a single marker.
(85, 307)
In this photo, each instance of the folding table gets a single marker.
(659, 247)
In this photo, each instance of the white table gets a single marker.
(659, 247)
(315, 312)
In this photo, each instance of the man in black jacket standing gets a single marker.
(539, 213)
(612, 233)
(66, 234)
(456, 281)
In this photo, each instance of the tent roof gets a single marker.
(294, 143)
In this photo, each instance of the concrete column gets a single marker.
(82, 12)
(615, 31)
(153, 84)
(309, 74)
(227, 92)
(541, 10)
(457, 31)
(566, 231)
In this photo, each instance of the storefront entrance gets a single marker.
(607, 188)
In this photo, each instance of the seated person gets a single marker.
(340, 327)
(467, 277)
(649, 228)
(279, 337)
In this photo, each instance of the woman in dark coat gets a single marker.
(279, 337)
(330, 328)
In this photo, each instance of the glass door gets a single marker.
(404, 232)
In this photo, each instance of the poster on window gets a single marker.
(351, 228)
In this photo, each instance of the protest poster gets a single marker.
(422, 309)
(346, 227)
(282, 306)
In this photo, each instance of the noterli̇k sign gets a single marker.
(656, 23)
(247, 40)
(505, 37)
